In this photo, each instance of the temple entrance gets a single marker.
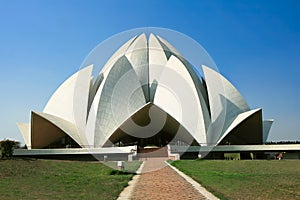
(137, 131)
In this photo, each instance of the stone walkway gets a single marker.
(164, 183)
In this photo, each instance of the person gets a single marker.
(279, 156)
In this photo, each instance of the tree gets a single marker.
(7, 148)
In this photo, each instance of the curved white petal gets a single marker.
(137, 55)
(119, 53)
(225, 102)
(168, 46)
(266, 129)
(157, 59)
(26, 133)
(111, 106)
(70, 100)
(238, 120)
(177, 95)
(66, 126)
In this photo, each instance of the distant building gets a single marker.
(146, 94)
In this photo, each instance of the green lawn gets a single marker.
(47, 179)
(257, 179)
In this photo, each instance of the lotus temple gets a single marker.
(147, 94)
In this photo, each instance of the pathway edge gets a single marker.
(195, 184)
(126, 193)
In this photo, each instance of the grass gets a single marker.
(129, 167)
(258, 179)
(48, 179)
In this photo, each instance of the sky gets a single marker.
(255, 44)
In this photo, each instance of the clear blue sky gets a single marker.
(255, 44)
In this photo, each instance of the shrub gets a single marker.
(7, 148)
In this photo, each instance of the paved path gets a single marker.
(163, 183)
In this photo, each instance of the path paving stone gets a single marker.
(159, 181)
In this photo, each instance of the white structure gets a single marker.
(146, 94)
